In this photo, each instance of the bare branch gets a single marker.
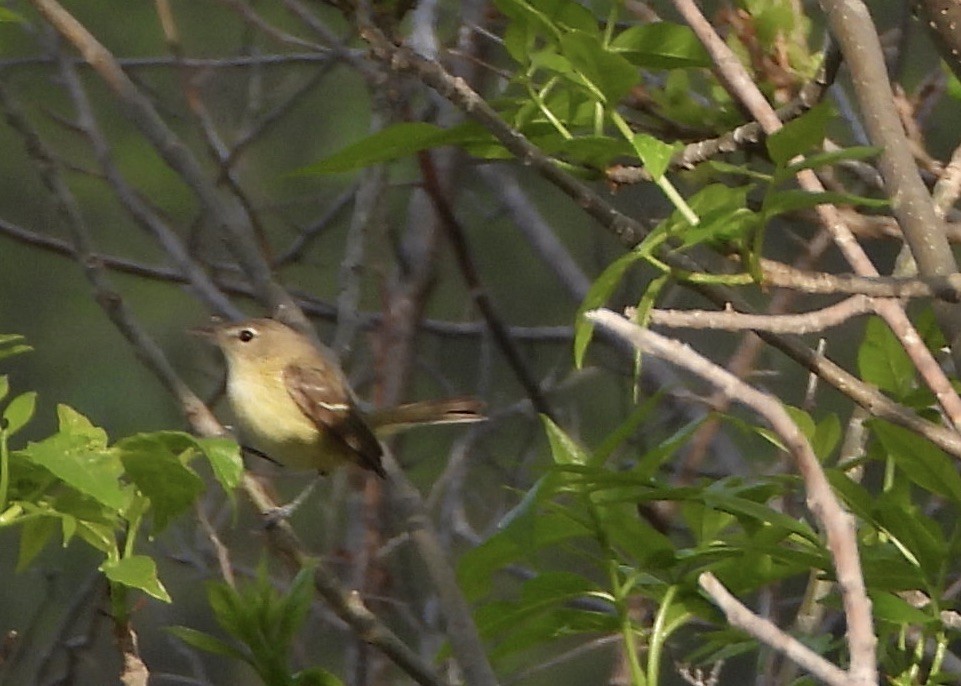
(458, 241)
(767, 632)
(799, 324)
(221, 209)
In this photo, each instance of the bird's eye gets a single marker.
(246, 335)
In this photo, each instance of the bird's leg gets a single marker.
(278, 514)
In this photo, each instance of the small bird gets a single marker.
(293, 403)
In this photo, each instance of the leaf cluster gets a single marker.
(78, 484)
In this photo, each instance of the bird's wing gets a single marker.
(322, 394)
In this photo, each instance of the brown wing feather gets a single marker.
(323, 396)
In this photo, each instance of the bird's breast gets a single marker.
(270, 421)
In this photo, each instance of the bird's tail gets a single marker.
(449, 411)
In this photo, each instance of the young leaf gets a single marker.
(654, 153)
(564, 449)
(512, 544)
(94, 471)
(206, 642)
(19, 412)
(394, 142)
(225, 460)
(136, 571)
(10, 344)
(792, 200)
(600, 291)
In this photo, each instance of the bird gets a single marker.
(293, 403)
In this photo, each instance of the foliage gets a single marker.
(75, 483)
(613, 536)
(265, 623)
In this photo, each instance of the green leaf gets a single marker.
(661, 45)
(74, 423)
(564, 449)
(826, 436)
(78, 456)
(824, 159)
(228, 608)
(612, 75)
(598, 294)
(136, 571)
(882, 360)
(548, 18)
(517, 542)
(780, 202)
(654, 153)
(4, 386)
(648, 463)
(206, 642)
(10, 345)
(799, 135)
(7, 15)
(35, 533)
(296, 605)
(918, 538)
(725, 218)
(19, 412)
(626, 429)
(595, 151)
(99, 535)
(892, 608)
(394, 142)
(153, 462)
(225, 460)
(920, 460)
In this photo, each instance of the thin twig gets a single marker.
(458, 240)
(221, 209)
(799, 324)
(768, 632)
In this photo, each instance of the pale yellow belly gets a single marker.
(270, 421)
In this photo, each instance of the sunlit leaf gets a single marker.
(19, 412)
(564, 448)
(136, 571)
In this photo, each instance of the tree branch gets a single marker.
(836, 523)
